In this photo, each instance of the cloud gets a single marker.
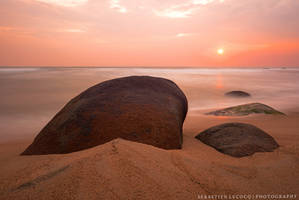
(184, 10)
(20, 31)
(6, 28)
(66, 3)
(173, 13)
(191, 28)
(183, 34)
(202, 2)
(74, 30)
(115, 4)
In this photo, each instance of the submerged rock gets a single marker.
(145, 109)
(246, 109)
(237, 94)
(238, 139)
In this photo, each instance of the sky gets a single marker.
(162, 33)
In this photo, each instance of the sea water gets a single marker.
(31, 96)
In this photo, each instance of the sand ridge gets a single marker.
(123, 169)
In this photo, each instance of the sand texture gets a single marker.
(123, 169)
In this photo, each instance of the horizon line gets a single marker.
(94, 66)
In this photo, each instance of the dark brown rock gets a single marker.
(145, 109)
(238, 94)
(238, 139)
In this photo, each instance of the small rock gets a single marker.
(238, 139)
(237, 94)
(246, 109)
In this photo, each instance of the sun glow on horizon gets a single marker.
(149, 33)
(220, 51)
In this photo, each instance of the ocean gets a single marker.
(31, 96)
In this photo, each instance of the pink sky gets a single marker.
(149, 33)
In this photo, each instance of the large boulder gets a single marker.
(246, 109)
(144, 109)
(238, 139)
(238, 94)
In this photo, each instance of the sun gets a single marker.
(220, 51)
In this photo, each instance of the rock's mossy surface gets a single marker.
(246, 109)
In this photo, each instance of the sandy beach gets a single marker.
(123, 169)
(149, 100)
